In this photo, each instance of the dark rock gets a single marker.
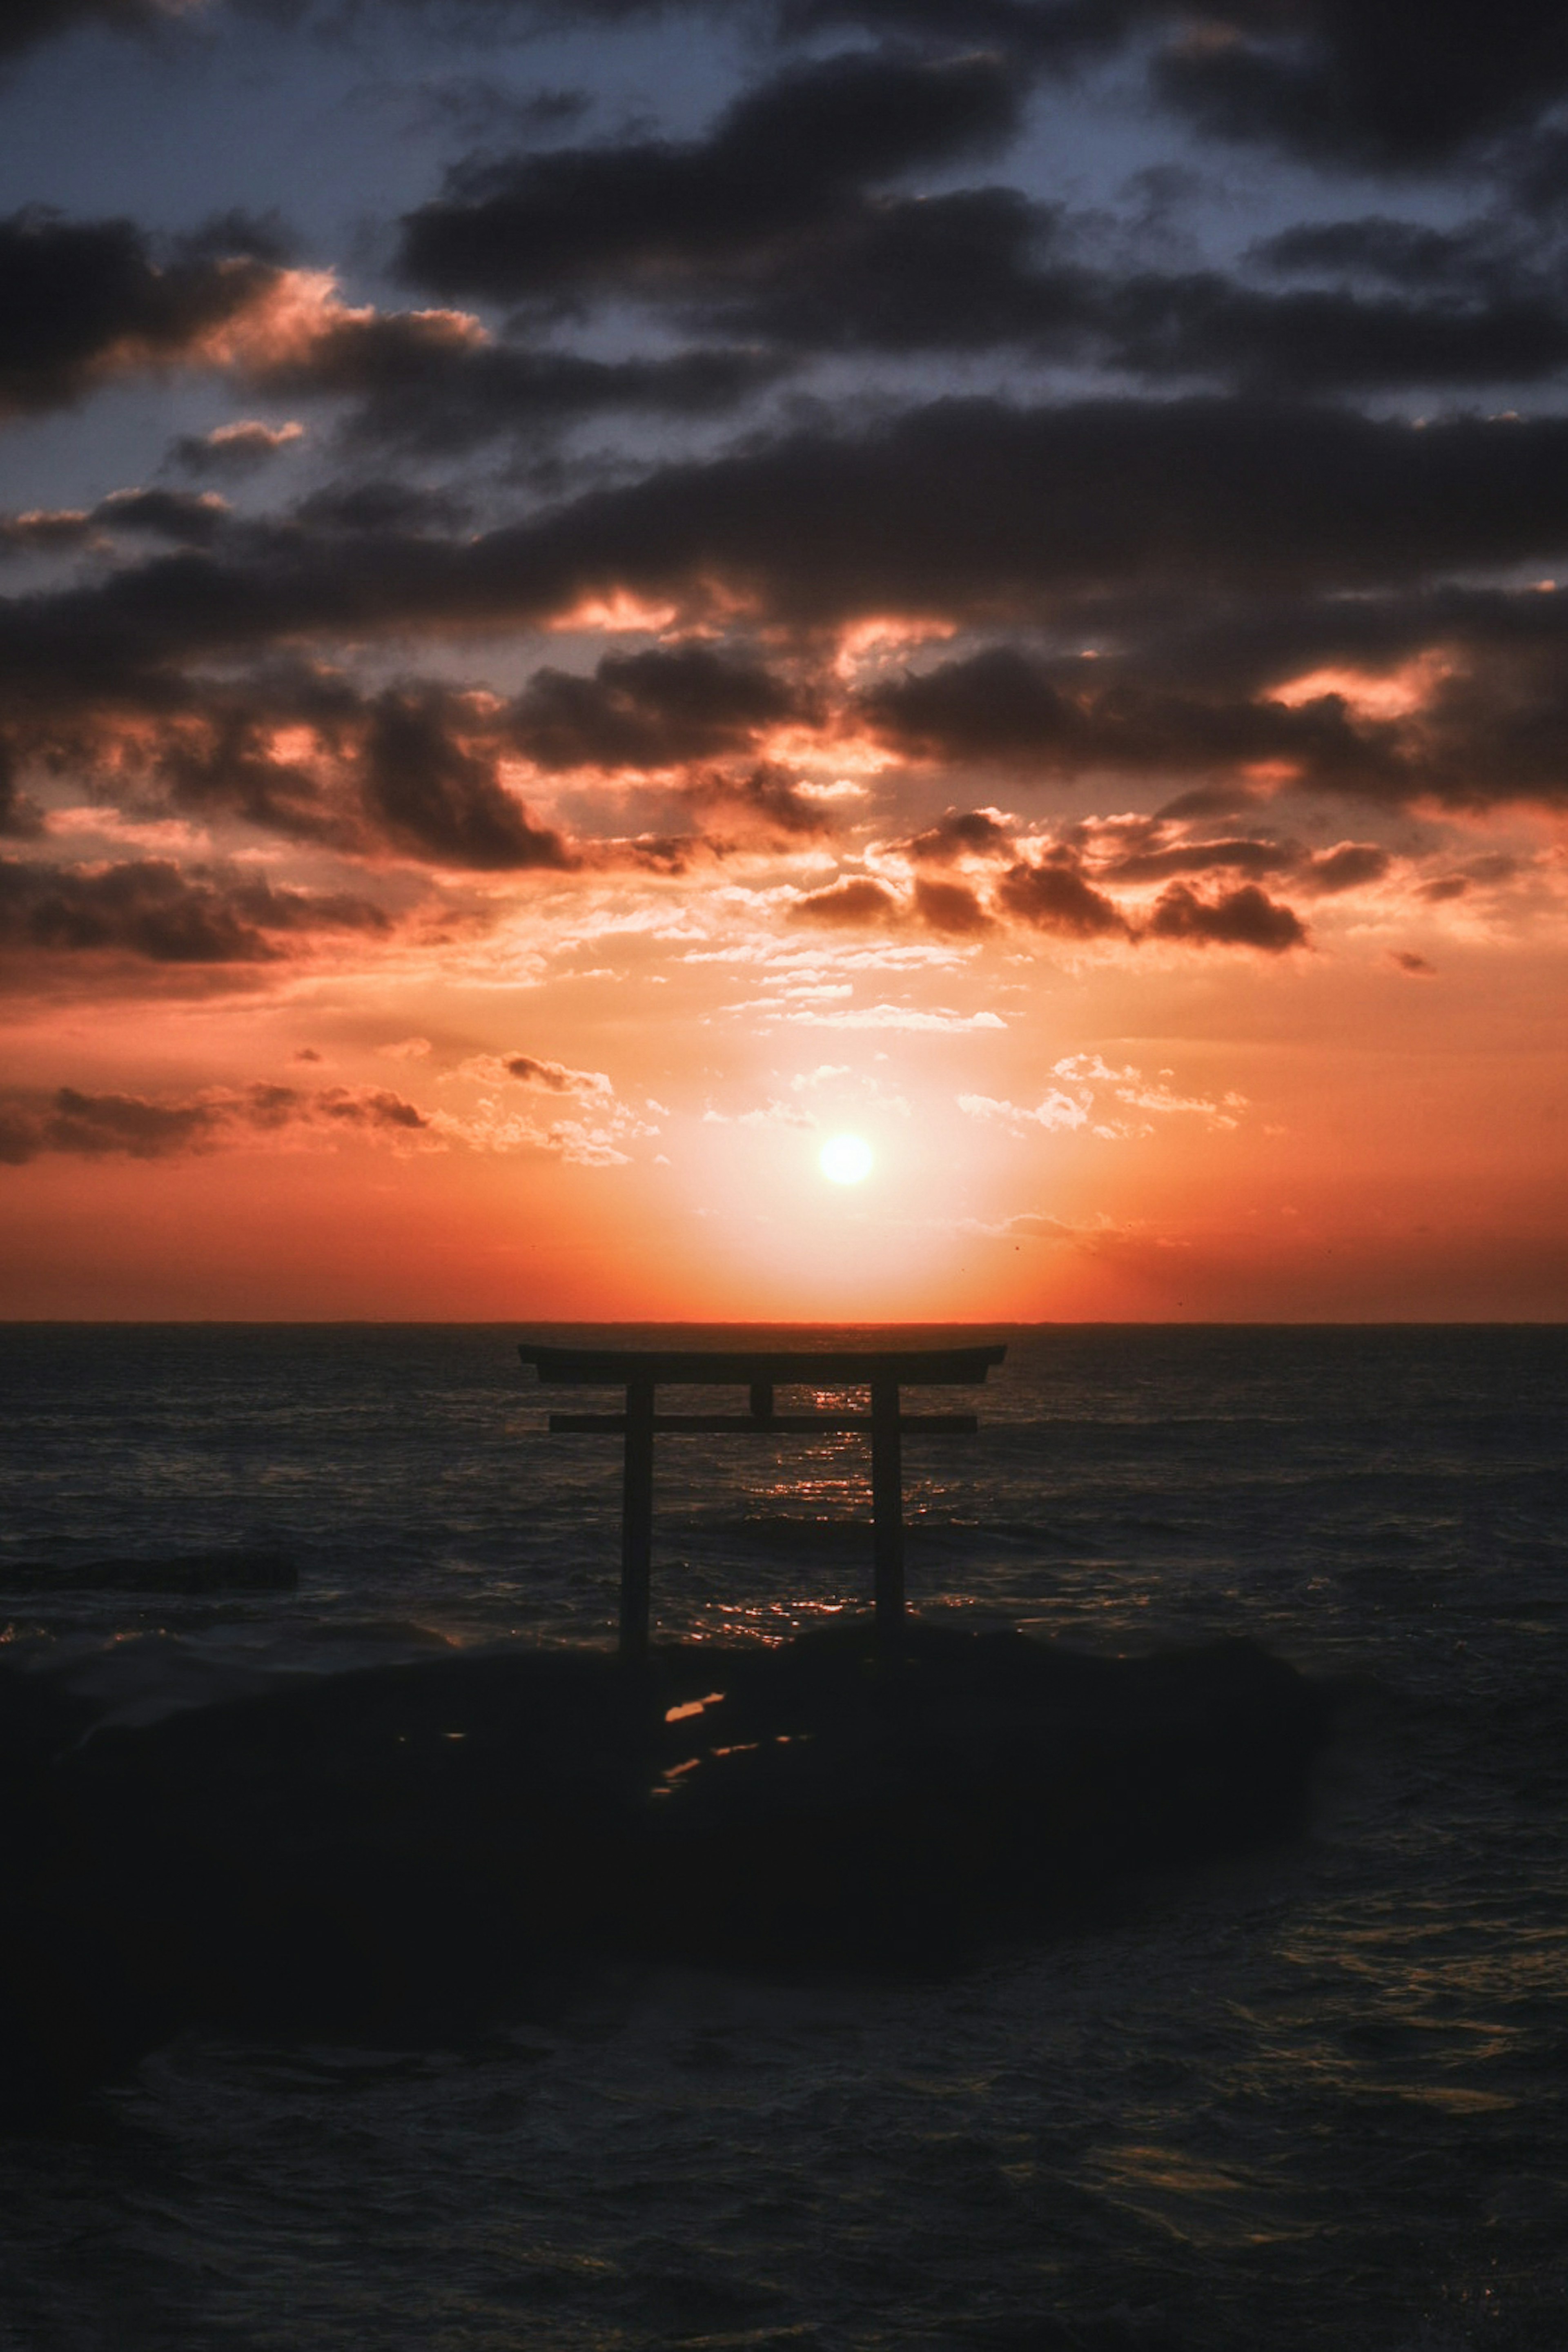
(399, 1852)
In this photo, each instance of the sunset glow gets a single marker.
(846, 1159)
(544, 680)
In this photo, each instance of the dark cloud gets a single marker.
(780, 160)
(990, 706)
(767, 801)
(984, 268)
(94, 1126)
(958, 271)
(1152, 864)
(661, 708)
(373, 1108)
(976, 506)
(1244, 918)
(42, 530)
(214, 752)
(962, 508)
(191, 519)
(1067, 717)
(1204, 325)
(1350, 866)
(430, 382)
(385, 506)
(1384, 84)
(91, 1126)
(151, 908)
(950, 907)
(1055, 897)
(1390, 85)
(1064, 883)
(555, 1077)
(1217, 552)
(848, 906)
(19, 816)
(300, 752)
(962, 833)
(25, 23)
(435, 797)
(80, 299)
(1405, 253)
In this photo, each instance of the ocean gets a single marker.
(1312, 2097)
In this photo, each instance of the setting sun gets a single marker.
(846, 1159)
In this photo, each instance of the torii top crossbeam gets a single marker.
(760, 1370)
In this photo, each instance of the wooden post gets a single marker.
(637, 1521)
(887, 1506)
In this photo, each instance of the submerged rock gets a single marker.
(398, 1851)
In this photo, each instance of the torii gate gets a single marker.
(761, 1370)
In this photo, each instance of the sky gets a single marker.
(594, 599)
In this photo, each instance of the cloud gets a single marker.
(950, 907)
(992, 705)
(1054, 897)
(1055, 1111)
(661, 708)
(237, 449)
(188, 518)
(26, 23)
(847, 904)
(1383, 88)
(939, 1021)
(1268, 518)
(765, 804)
(773, 1113)
(1088, 1074)
(966, 832)
(82, 300)
(44, 528)
(1388, 89)
(153, 909)
(95, 1126)
(781, 158)
(1162, 856)
(435, 382)
(435, 797)
(986, 269)
(1245, 918)
(554, 1076)
(1349, 866)
(20, 818)
(1063, 717)
(596, 1140)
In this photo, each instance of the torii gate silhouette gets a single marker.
(761, 1371)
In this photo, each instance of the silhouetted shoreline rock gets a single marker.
(398, 1851)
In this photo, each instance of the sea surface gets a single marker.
(1318, 2097)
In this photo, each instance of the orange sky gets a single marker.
(585, 606)
(1112, 1126)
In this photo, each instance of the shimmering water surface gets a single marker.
(1312, 2099)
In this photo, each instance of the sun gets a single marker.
(844, 1159)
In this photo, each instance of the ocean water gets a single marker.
(1316, 2097)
